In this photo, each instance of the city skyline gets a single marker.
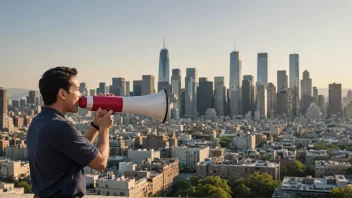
(111, 44)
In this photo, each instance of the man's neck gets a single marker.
(58, 108)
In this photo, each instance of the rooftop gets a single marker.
(312, 184)
(250, 163)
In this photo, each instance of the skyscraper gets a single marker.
(235, 83)
(315, 95)
(137, 88)
(164, 75)
(247, 96)
(191, 93)
(128, 88)
(220, 95)
(176, 81)
(261, 100)
(205, 95)
(282, 106)
(148, 84)
(294, 83)
(102, 88)
(335, 99)
(271, 94)
(92, 92)
(306, 92)
(321, 103)
(306, 84)
(262, 69)
(3, 108)
(118, 87)
(182, 102)
(83, 88)
(31, 97)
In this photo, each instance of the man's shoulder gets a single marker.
(52, 123)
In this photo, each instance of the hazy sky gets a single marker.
(105, 39)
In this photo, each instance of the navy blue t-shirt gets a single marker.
(57, 153)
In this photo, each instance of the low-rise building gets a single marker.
(9, 189)
(232, 171)
(309, 187)
(140, 155)
(151, 178)
(121, 186)
(245, 141)
(313, 155)
(14, 169)
(18, 152)
(190, 156)
(330, 168)
(91, 180)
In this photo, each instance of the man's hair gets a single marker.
(53, 80)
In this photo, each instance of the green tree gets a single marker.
(341, 193)
(325, 146)
(216, 181)
(194, 180)
(211, 186)
(297, 169)
(266, 157)
(254, 186)
(179, 186)
(225, 141)
(27, 187)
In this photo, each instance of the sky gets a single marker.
(105, 39)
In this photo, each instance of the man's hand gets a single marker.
(105, 122)
(100, 112)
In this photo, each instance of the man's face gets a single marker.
(73, 96)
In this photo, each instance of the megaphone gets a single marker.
(154, 105)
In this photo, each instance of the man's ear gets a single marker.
(62, 94)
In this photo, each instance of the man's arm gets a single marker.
(91, 133)
(101, 159)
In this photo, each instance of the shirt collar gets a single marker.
(51, 110)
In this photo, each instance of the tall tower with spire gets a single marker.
(164, 75)
(235, 83)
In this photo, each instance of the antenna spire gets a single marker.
(294, 48)
(164, 42)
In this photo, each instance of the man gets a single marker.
(57, 150)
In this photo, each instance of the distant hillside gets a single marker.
(18, 93)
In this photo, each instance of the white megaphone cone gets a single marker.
(154, 105)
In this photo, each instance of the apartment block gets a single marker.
(309, 187)
(330, 168)
(14, 169)
(232, 171)
(190, 156)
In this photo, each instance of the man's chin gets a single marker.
(74, 110)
